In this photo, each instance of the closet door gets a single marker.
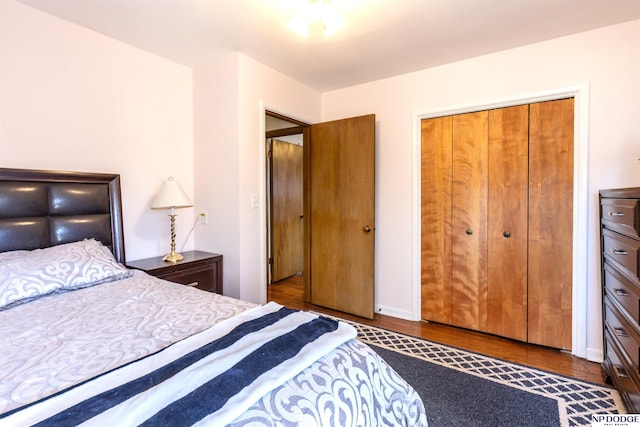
(497, 221)
(551, 223)
(507, 221)
(469, 221)
(436, 156)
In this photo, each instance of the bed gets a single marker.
(87, 341)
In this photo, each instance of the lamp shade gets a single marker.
(171, 195)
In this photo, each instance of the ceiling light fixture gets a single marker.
(316, 17)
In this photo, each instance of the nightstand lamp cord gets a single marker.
(190, 232)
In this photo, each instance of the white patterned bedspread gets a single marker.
(57, 341)
(351, 386)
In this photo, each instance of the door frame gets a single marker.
(580, 200)
(297, 127)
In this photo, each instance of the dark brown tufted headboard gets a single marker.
(47, 208)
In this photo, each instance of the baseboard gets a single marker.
(394, 312)
(595, 355)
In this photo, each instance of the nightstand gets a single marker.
(202, 270)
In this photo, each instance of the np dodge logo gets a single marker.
(617, 420)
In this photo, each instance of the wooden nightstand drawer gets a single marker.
(202, 270)
(202, 277)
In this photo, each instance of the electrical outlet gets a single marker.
(204, 217)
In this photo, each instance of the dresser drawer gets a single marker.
(623, 333)
(622, 377)
(621, 214)
(621, 250)
(624, 292)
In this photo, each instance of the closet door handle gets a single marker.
(366, 229)
(618, 252)
(616, 214)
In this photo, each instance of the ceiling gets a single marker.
(382, 38)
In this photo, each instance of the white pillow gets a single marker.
(25, 275)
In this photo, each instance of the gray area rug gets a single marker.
(452, 398)
(462, 388)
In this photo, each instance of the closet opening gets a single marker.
(497, 221)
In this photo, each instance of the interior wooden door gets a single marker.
(469, 221)
(436, 165)
(551, 223)
(341, 204)
(286, 210)
(507, 236)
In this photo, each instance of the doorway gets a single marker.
(285, 244)
(581, 199)
(337, 219)
(497, 202)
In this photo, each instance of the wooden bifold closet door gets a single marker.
(496, 191)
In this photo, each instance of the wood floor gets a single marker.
(289, 293)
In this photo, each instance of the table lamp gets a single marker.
(171, 196)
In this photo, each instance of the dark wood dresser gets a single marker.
(202, 270)
(620, 243)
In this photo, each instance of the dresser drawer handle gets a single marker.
(192, 284)
(622, 373)
(618, 252)
(620, 293)
(620, 332)
(616, 214)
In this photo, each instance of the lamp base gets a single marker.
(173, 257)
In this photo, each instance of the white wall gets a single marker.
(605, 61)
(230, 98)
(217, 163)
(72, 99)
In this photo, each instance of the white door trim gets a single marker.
(580, 198)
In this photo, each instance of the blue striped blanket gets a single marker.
(208, 378)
